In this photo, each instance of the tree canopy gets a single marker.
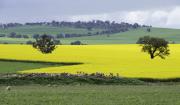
(45, 44)
(154, 46)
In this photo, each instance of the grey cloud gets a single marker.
(47, 10)
(71, 7)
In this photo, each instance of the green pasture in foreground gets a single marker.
(90, 95)
(13, 67)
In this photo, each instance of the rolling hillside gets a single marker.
(130, 37)
(30, 30)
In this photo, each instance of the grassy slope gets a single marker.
(120, 38)
(91, 95)
(130, 36)
(12, 67)
(30, 30)
(14, 40)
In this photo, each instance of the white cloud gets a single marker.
(159, 18)
(90, 17)
(136, 16)
(174, 17)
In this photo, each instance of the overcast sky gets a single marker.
(159, 13)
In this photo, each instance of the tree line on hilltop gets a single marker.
(106, 26)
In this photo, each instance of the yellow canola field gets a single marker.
(126, 60)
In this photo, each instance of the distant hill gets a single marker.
(69, 29)
(30, 30)
(129, 37)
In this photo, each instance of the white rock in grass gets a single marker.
(49, 85)
(8, 88)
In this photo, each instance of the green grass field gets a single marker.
(90, 95)
(129, 37)
(14, 66)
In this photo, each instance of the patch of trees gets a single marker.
(14, 35)
(36, 23)
(10, 25)
(63, 35)
(155, 47)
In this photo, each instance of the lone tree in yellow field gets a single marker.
(154, 46)
(45, 44)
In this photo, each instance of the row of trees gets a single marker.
(88, 25)
(10, 25)
(107, 26)
(14, 35)
(61, 35)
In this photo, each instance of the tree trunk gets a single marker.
(152, 56)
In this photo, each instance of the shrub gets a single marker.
(2, 35)
(29, 42)
(76, 43)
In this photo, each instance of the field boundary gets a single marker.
(65, 79)
(81, 78)
(42, 62)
